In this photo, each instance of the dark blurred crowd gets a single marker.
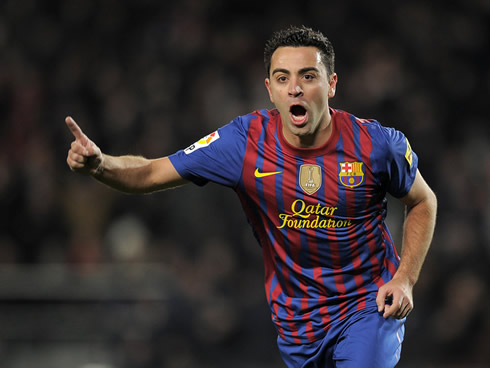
(93, 278)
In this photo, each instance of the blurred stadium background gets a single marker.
(91, 278)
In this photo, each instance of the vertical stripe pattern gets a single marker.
(327, 252)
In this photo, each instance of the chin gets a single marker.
(300, 131)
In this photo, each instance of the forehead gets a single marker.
(295, 58)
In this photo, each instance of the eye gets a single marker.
(282, 78)
(309, 76)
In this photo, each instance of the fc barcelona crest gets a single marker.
(351, 174)
(310, 178)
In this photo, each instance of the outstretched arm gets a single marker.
(420, 219)
(130, 174)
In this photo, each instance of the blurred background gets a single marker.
(91, 278)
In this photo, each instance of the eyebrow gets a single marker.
(301, 71)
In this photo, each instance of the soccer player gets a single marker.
(313, 182)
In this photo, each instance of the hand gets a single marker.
(84, 156)
(400, 292)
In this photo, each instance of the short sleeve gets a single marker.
(401, 163)
(218, 157)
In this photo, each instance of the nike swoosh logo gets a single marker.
(259, 174)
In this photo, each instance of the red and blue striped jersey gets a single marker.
(318, 214)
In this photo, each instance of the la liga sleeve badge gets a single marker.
(408, 154)
(203, 142)
(351, 174)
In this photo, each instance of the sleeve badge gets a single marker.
(408, 154)
(203, 142)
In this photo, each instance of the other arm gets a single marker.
(129, 174)
(421, 208)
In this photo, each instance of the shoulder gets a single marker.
(379, 133)
(259, 117)
(384, 138)
(243, 126)
(348, 121)
(346, 118)
(254, 122)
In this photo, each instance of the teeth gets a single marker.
(299, 119)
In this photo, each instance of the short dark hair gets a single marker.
(299, 37)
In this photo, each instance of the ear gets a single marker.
(333, 79)
(268, 86)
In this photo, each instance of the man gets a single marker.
(312, 181)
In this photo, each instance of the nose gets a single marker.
(295, 89)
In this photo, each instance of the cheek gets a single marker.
(276, 96)
(321, 98)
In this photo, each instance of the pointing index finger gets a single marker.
(75, 129)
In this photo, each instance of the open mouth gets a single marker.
(298, 114)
